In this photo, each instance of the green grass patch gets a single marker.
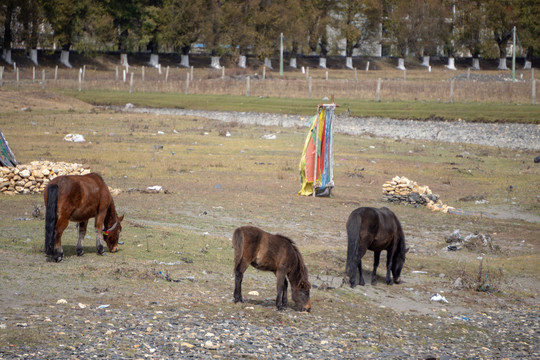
(475, 112)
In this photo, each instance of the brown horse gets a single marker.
(376, 230)
(79, 198)
(274, 253)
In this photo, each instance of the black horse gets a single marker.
(376, 230)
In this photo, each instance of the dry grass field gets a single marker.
(177, 257)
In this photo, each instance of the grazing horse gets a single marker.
(274, 253)
(376, 230)
(79, 198)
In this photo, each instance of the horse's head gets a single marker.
(397, 266)
(112, 236)
(300, 295)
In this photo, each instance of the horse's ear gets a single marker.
(120, 218)
(304, 284)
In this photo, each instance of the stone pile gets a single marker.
(403, 190)
(33, 178)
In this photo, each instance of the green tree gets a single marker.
(239, 24)
(317, 14)
(183, 22)
(8, 11)
(357, 22)
(126, 15)
(470, 26)
(501, 17)
(529, 27)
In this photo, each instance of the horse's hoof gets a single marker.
(373, 282)
(80, 252)
(59, 258)
(100, 250)
(238, 300)
(397, 281)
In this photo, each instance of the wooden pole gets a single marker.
(167, 74)
(378, 95)
(56, 73)
(316, 144)
(533, 90)
(1, 76)
(187, 83)
(247, 86)
(367, 66)
(116, 77)
(80, 79)
(18, 78)
(191, 73)
(43, 79)
(84, 73)
(264, 72)
(327, 76)
(309, 87)
(33, 74)
(223, 73)
(131, 83)
(142, 74)
(452, 91)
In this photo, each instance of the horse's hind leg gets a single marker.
(376, 259)
(82, 232)
(281, 293)
(361, 252)
(239, 270)
(61, 225)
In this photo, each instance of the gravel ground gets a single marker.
(513, 136)
(117, 333)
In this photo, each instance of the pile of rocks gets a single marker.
(34, 177)
(403, 190)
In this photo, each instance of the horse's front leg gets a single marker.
(279, 291)
(376, 259)
(99, 225)
(99, 244)
(389, 257)
(284, 301)
(82, 232)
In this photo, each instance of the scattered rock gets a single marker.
(33, 178)
(403, 190)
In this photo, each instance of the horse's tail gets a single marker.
(354, 224)
(50, 218)
(238, 244)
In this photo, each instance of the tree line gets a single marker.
(480, 28)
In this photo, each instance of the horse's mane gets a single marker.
(300, 265)
(401, 241)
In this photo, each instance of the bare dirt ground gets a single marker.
(168, 292)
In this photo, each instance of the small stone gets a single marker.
(210, 345)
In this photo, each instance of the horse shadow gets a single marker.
(71, 250)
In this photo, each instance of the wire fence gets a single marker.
(394, 85)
